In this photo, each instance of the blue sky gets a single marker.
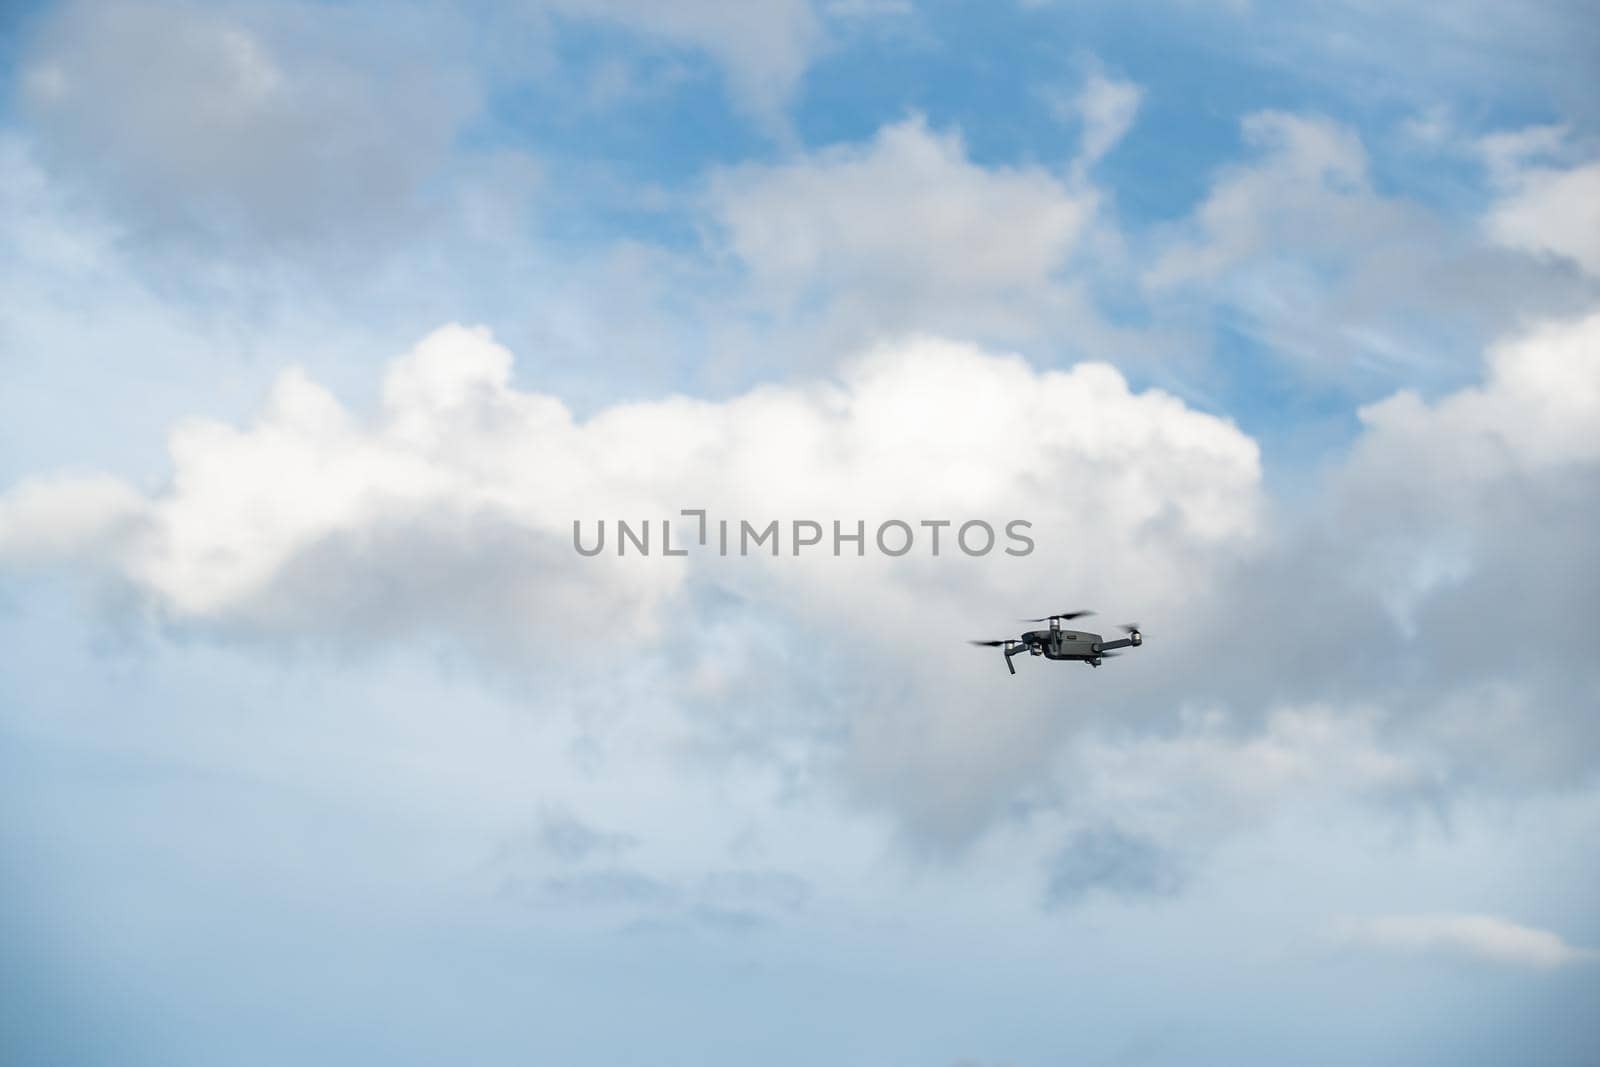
(321, 323)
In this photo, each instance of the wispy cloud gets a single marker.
(1483, 938)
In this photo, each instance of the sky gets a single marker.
(321, 324)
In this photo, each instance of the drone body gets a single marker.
(1057, 643)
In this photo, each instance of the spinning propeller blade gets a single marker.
(989, 644)
(1129, 627)
(1064, 615)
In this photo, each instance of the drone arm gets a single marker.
(1107, 646)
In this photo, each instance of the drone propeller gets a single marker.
(1064, 615)
(1129, 627)
(1112, 655)
(991, 644)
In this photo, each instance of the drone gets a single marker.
(1056, 643)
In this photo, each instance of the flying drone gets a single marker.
(1056, 643)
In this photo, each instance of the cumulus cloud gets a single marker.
(1536, 410)
(899, 228)
(1483, 938)
(52, 519)
(1445, 571)
(1415, 632)
(1440, 495)
(1305, 252)
(765, 47)
(273, 127)
(1313, 157)
(1544, 207)
(450, 512)
(918, 429)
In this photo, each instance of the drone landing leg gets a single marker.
(1012, 667)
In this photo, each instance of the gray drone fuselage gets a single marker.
(1063, 644)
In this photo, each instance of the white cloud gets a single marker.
(67, 517)
(1437, 580)
(1143, 805)
(1553, 211)
(921, 429)
(1505, 153)
(1477, 937)
(765, 46)
(1548, 199)
(1538, 407)
(903, 226)
(450, 513)
(1443, 569)
(1301, 250)
(1308, 163)
(272, 126)
(1107, 108)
